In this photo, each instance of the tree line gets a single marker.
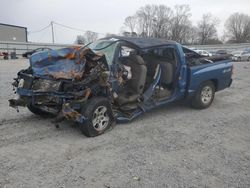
(88, 37)
(161, 21)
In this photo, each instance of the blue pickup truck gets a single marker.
(116, 79)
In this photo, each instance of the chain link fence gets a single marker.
(228, 47)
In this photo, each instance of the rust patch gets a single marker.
(70, 56)
(68, 75)
(70, 113)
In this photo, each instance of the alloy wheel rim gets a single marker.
(100, 118)
(206, 94)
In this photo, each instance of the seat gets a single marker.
(135, 86)
(167, 73)
(164, 89)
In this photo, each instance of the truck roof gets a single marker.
(143, 42)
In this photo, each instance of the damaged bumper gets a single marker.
(69, 110)
(30, 94)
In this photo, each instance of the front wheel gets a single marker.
(99, 116)
(204, 96)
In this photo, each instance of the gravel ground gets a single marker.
(172, 146)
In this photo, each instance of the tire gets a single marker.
(99, 116)
(238, 59)
(248, 59)
(204, 96)
(40, 112)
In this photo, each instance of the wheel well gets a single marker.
(215, 82)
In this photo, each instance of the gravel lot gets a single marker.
(173, 146)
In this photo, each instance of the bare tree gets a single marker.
(207, 28)
(162, 21)
(110, 35)
(90, 36)
(145, 21)
(190, 36)
(129, 34)
(126, 34)
(180, 23)
(130, 23)
(238, 27)
(149, 21)
(80, 39)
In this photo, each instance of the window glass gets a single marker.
(126, 51)
(106, 47)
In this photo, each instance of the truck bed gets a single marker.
(216, 69)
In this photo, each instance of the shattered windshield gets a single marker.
(105, 46)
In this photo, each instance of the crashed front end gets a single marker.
(60, 81)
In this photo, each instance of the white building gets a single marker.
(13, 33)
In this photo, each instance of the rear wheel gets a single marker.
(99, 117)
(248, 59)
(204, 96)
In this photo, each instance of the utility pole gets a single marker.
(52, 31)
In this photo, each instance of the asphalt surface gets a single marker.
(172, 146)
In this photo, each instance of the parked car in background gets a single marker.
(212, 52)
(241, 56)
(29, 53)
(221, 52)
(245, 57)
(204, 53)
(247, 49)
(236, 52)
(5, 55)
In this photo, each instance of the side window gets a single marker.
(163, 54)
(168, 54)
(153, 52)
(126, 51)
(190, 53)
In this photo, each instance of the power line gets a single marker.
(51, 25)
(62, 25)
(76, 29)
(37, 31)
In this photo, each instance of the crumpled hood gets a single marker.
(65, 63)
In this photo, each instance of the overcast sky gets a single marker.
(103, 16)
